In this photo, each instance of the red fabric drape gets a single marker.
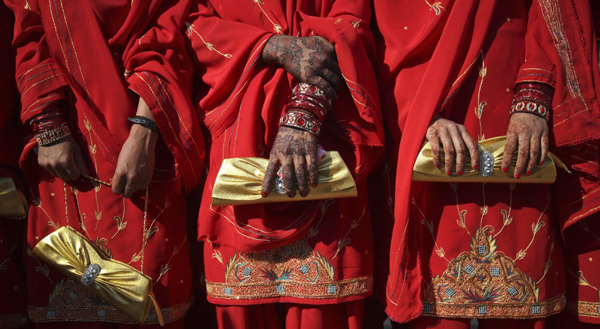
(247, 100)
(94, 57)
(423, 70)
(241, 102)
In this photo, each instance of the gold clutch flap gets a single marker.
(116, 283)
(13, 203)
(240, 182)
(490, 167)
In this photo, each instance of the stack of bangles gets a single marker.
(49, 127)
(533, 98)
(306, 109)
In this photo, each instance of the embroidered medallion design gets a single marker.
(485, 282)
(295, 270)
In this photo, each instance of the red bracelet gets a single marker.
(300, 120)
(533, 98)
(310, 98)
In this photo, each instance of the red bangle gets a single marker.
(300, 120)
(533, 98)
(310, 98)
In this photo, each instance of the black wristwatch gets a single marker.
(144, 122)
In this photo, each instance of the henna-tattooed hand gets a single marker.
(308, 59)
(528, 133)
(294, 150)
(454, 140)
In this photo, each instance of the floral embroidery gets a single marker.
(484, 282)
(295, 270)
(436, 7)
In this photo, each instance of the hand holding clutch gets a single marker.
(490, 167)
(240, 182)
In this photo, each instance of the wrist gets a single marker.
(141, 133)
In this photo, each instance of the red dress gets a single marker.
(306, 252)
(93, 58)
(13, 302)
(487, 251)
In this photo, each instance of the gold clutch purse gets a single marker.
(240, 182)
(116, 283)
(13, 203)
(490, 162)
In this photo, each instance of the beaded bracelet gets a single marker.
(300, 120)
(53, 135)
(310, 98)
(533, 98)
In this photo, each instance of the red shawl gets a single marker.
(146, 45)
(425, 60)
(238, 98)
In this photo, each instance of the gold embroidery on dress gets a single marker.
(356, 24)
(36, 201)
(345, 240)
(314, 230)
(165, 268)
(295, 270)
(121, 223)
(210, 46)
(484, 282)
(97, 186)
(436, 7)
(276, 27)
(42, 268)
(481, 104)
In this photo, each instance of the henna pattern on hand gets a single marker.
(308, 59)
(527, 135)
(291, 146)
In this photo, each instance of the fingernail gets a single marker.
(263, 194)
(475, 167)
(304, 194)
(449, 172)
(459, 173)
(314, 184)
(528, 173)
(541, 163)
(438, 166)
(517, 176)
(504, 169)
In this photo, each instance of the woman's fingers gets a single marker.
(269, 179)
(534, 153)
(545, 148)
(289, 179)
(118, 182)
(433, 137)
(509, 150)
(71, 170)
(449, 152)
(62, 173)
(301, 174)
(313, 171)
(523, 155)
(471, 146)
(323, 84)
(332, 78)
(460, 148)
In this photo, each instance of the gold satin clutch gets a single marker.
(240, 182)
(490, 162)
(13, 203)
(116, 283)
